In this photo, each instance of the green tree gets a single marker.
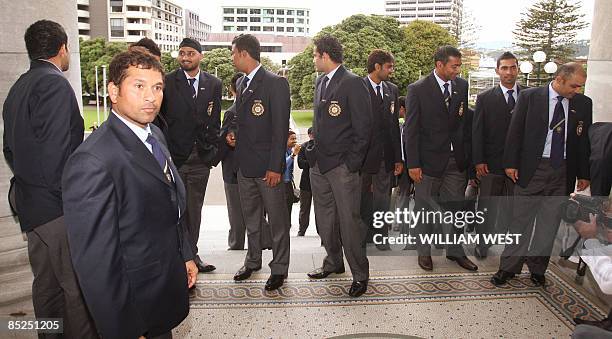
(268, 64)
(169, 63)
(550, 26)
(96, 52)
(219, 62)
(300, 67)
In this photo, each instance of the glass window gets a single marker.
(269, 11)
(255, 19)
(280, 20)
(280, 12)
(228, 19)
(268, 29)
(300, 13)
(280, 29)
(255, 28)
(227, 28)
(268, 20)
(255, 11)
(290, 12)
(290, 20)
(241, 11)
(228, 10)
(241, 19)
(242, 28)
(290, 29)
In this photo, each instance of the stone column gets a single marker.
(599, 80)
(15, 17)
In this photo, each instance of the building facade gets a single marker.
(194, 28)
(83, 19)
(446, 13)
(168, 26)
(266, 20)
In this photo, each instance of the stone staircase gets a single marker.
(15, 273)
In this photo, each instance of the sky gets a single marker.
(496, 18)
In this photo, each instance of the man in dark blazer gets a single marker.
(546, 154)
(489, 127)
(437, 142)
(342, 129)
(42, 127)
(190, 119)
(384, 159)
(305, 189)
(262, 115)
(123, 202)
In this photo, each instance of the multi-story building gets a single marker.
(83, 18)
(168, 28)
(194, 28)
(266, 20)
(446, 13)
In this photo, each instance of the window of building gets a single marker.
(268, 20)
(280, 12)
(300, 21)
(227, 28)
(280, 20)
(229, 10)
(116, 9)
(241, 11)
(290, 29)
(255, 28)
(255, 19)
(228, 19)
(280, 29)
(242, 28)
(268, 29)
(241, 19)
(392, 3)
(300, 13)
(116, 26)
(290, 20)
(300, 29)
(269, 11)
(255, 11)
(290, 12)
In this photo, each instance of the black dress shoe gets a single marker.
(320, 273)
(244, 273)
(464, 262)
(300, 234)
(275, 281)
(501, 277)
(425, 262)
(202, 266)
(358, 288)
(480, 252)
(538, 279)
(383, 247)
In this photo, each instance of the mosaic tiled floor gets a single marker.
(437, 305)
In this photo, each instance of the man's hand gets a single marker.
(230, 139)
(482, 170)
(399, 168)
(582, 184)
(416, 174)
(512, 173)
(272, 178)
(192, 273)
(472, 183)
(587, 230)
(296, 149)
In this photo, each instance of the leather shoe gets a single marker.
(202, 266)
(538, 279)
(275, 281)
(480, 252)
(300, 234)
(358, 288)
(425, 262)
(244, 273)
(464, 262)
(383, 247)
(501, 277)
(320, 273)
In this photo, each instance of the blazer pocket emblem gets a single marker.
(210, 108)
(392, 108)
(461, 110)
(579, 128)
(257, 109)
(334, 109)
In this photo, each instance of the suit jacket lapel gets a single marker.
(501, 98)
(332, 85)
(180, 188)
(203, 84)
(253, 85)
(183, 87)
(544, 102)
(139, 153)
(437, 92)
(572, 120)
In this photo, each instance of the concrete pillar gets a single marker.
(599, 80)
(15, 17)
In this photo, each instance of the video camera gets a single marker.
(579, 206)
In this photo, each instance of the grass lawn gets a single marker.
(303, 118)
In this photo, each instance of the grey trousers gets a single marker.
(255, 196)
(55, 290)
(305, 203)
(194, 174)
(541, 202)
(495, 195)
(237, 231)
(336, 196)
(447, 193)
(380, 183)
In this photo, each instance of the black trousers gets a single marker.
(305, 203)
(541, 202)
(55, 290)
(496, 192)
(378, 187)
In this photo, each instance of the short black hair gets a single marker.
(44, 38)
(249, 43)
(506, 56)
(402, 101)
(330, 45)
(378, 56)
(134, 57)
(445, 52)
(290, 132)
(234, 80)
(310, 130)
(149, 44)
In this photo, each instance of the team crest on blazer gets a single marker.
(334, 109)
(461, 110)
(210, 108)
(257, 109)
(392, 107)
(579, 128)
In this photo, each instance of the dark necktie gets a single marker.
(446, 96)
(323, 87)
(511, 101)
(159, 156)
(243, 85)
(378, 93)
(557, 125)
(193, 91)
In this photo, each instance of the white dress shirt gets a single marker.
(552, 102)
(251, 75)
(505, 91)
(196, 84)
(441, 83)
(141, 133)
(374, 86)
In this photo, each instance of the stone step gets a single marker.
(11, 242)
(13, 258)
(16, 286)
